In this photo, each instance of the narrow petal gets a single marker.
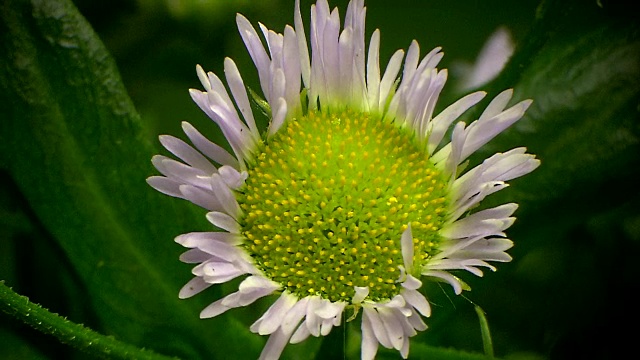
(186, 153)
(232, 177)
(213, 151)
(223, 221)
(272, 319)
(406, 243)
(193, 287)
(369, 345)
(165, 185)
(194, 256)
(418, 301)
(275, 345)
(378, 327)
(225, 196)
(393, 327)
(452, 280)
(301, 334)
(240, 95)
(295, 315)
(200, 197)
(361, 293)
(305, 63)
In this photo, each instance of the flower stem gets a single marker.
(69, 332)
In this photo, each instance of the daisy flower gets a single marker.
(350, 199)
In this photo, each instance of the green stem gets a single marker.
(487, 343)
(69, 332)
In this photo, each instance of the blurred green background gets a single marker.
(99, 249)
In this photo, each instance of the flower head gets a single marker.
(350, 199)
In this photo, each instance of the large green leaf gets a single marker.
(581, 67)
(75, 146)
(577, 224)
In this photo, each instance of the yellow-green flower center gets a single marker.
(328, 198)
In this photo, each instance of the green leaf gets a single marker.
(581, 70)
(487, 343)
(72, 141)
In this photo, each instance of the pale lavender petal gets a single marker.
(193, 287)
(194, 256)
(378, 327)
(211, 150)
(452, 280)
(418, 301)
(223, 221)
(406, 244)
(165, 186)
(186, 153)
(225, 196)
(200, 197)
(369, 345)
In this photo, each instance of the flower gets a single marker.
(349, 200)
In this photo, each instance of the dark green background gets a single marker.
(83, 235)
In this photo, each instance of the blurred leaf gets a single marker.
(581, 66)
(582, 70)
(75, 146)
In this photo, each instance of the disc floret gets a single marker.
(328, 198)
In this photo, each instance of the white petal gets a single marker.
(165, 186)
(256, 50)
(279, 115)
(361, 293)
(295, 314)
(232, 177)
(369, 346)
(185, 173)
(208, 148)
(194, 256)
(200, 197)
(255, 283)
(193, 287)
(225, 196)
(275, 345)
(220, 272)
(214, 309)
(196, 239)
(305, 63)
(406, 243)
(373, 71)
(301, 334)
(186, 153)
(393, 327)
(497, 104)
(416, 321)
(313, 321)
(411, 283)
(452, 280)
(418, 301)
(480, 132)
(389, 77)
(223, 221)
(236, 85)
(330, 310)
(441, 123)
(272, 319)
(202, 76)
(378, 327)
